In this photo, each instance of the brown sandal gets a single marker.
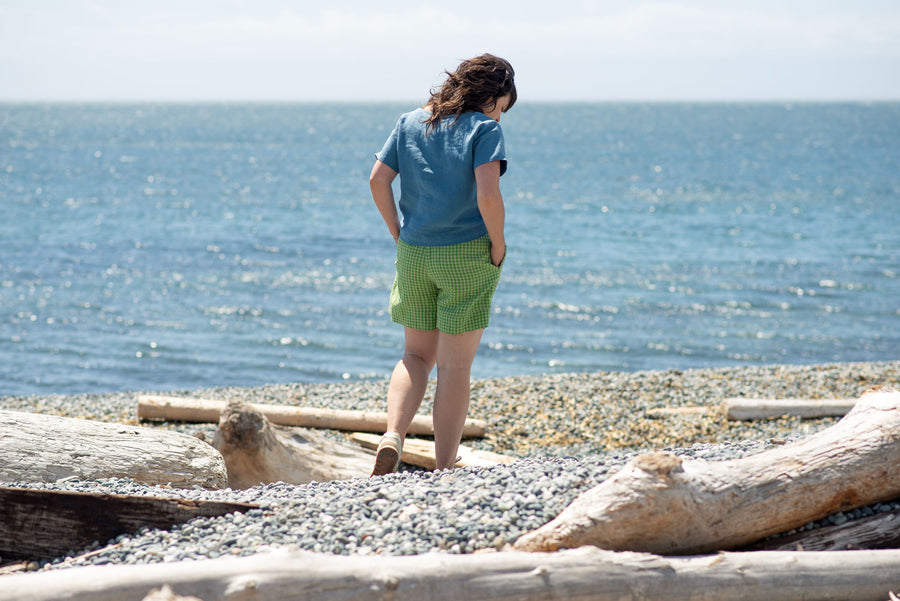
(387, 457)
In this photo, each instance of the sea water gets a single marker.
(166, 246)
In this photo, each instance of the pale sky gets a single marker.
(354, 50)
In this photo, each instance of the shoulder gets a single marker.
(471, 128)
(482, 128)
(479, 120)
(481, 125)
(414, 118)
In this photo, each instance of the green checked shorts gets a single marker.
(444, 287)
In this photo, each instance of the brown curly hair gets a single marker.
(477, 83)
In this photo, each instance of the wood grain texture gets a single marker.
(586, 574)
(43, 524)
(661, 504)
(154, 407)
(46, 448)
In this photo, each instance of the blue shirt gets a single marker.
(438, 200)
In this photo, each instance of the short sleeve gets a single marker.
(489, 145)
(388, 153)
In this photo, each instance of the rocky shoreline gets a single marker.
(570, 431)
(557, 415)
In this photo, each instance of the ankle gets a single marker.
(393, 437)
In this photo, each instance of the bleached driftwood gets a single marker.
(421, 452)
(257, 452)
(43, 524)
(185, 409)
(738, 409)
(661, 504)
(665, 412)
(46, 448)
(586, 574)
(748, 409)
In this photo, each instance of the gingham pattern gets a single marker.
(445, 287)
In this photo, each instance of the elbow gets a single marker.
(381, 176)
(378, 185)
(487, 201)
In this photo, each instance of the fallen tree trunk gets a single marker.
(46, 448)
(586, 574)
(658, 503)
(880, 531)
(421, 452)
(256, 452)
(43, 524)
(739, 409)
(665, 412)
(152, 407)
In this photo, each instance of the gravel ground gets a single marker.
(569, 431)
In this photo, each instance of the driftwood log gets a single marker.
(879, 531)
(43, 524)
(748, 409)
(46, 448)
(740, 409)
(152, 407)
(586, 574)
(256, 452)
(661, 504)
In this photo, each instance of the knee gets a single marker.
(418, 359)
(454, 366)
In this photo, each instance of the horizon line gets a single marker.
(345, 101)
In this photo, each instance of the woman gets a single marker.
(449, 155)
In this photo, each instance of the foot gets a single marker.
(387, 457)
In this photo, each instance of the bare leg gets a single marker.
(455, 353)
(410, 378)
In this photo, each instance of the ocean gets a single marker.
(165, 246)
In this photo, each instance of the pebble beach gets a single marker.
(568, 432)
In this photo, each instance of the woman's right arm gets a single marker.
(490, 203)
(380, 184)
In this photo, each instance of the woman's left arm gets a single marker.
(383, 194)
